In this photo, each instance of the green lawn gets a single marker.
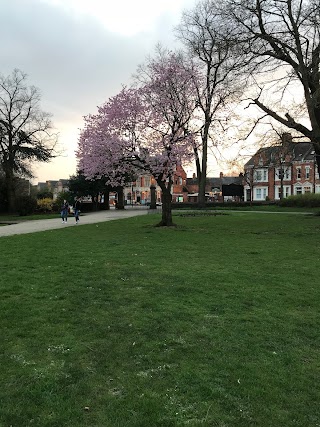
(19, 218)
(121, 324)
(261, 208)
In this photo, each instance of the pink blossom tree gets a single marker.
(144, 128)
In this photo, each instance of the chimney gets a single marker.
(286, 138)
(221, 174)
(194, 176)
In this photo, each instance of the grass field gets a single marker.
(214, 323)
(18, 218)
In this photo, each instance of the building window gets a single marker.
(286, 191)
(298, 190)
(307, 190)
(147, 181)
(285, 172)
(298, 172)
(307, 172)
(258, 193)
(261, 193)
(264, 193)
(279, 193)
(261, 175)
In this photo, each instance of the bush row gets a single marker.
(27, 205)
(194, 205)
(310, 200)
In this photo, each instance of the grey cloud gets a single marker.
(75, 63)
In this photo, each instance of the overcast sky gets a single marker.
(79, 53)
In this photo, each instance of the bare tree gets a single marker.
(248, 178)
(282, 37)
(213, 50)
(24, 131)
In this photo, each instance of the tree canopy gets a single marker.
(280, 40)
(143, 128)
(25, 130)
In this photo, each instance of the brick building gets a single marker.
(280, 171)
(214, 188)
(138, 191)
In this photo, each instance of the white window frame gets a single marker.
(286, 191)
(308, 170)
(261, 175)
(286, 173)
(263, 191)
(298, 170)
(256, 194)
(147, 181)
(307, 189)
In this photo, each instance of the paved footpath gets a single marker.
(26, 227)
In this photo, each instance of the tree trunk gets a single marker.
(203, 176)
(95, 202)
(317, 155)
(281, 186)
(166, 220)
(120, 201)
(202, 190)
(10, 191)
(153, 204)
(106, 204)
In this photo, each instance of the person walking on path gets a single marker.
(64, 211)
(76, 209)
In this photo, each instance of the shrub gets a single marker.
(45, 205)
(309, 200)
(25, 205)
(45, 193)
(64, 195)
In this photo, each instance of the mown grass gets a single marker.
(225, 206)
(260, 208)
(122, 324)
(19, 218)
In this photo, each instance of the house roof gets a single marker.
(303, 151)
(217, 182)
(297, 151)
(63, 181)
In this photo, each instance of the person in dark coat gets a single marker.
(64, 211)
(76, 209)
